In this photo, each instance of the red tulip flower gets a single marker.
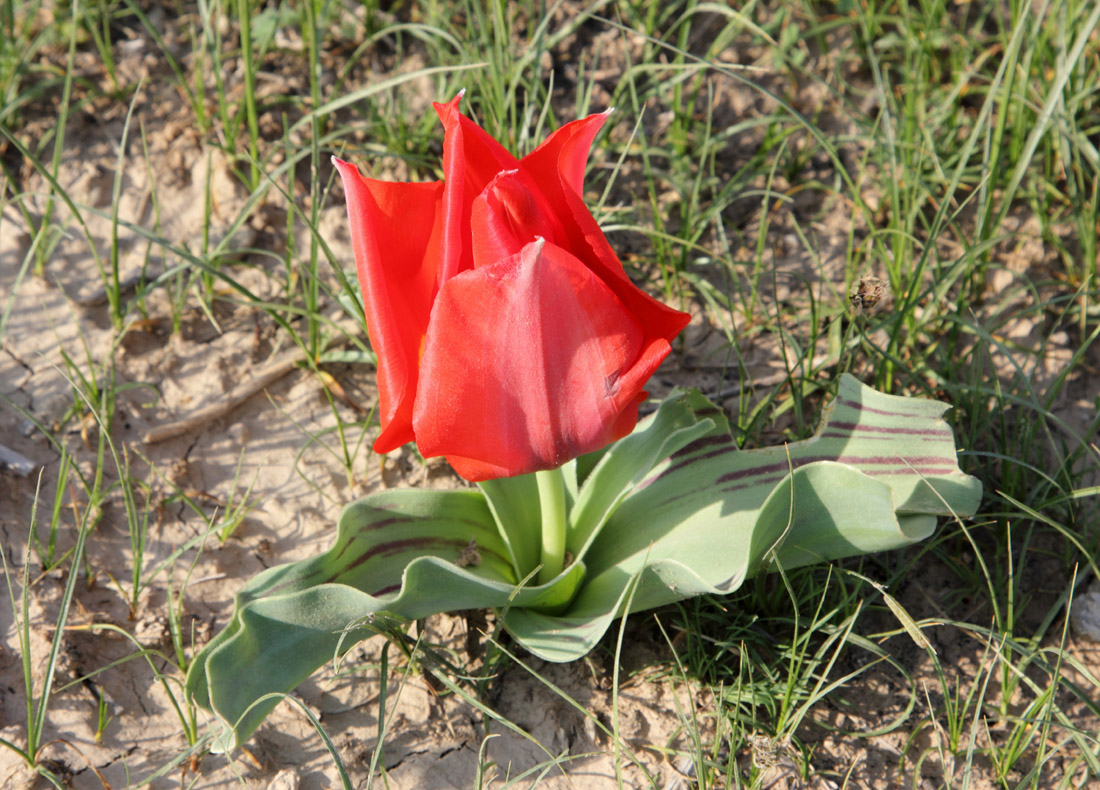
(509, 338)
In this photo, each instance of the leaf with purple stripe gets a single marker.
(405, 553)
(876, 476)
(676, 509)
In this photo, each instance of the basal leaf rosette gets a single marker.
(670, 511)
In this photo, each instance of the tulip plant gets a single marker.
(511, 341)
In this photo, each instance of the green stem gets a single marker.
(244, 13)
(552, 501)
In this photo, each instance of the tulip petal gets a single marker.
(505, 217)
(471, 159)
(528, 363)
(562, 157)
(557, 166)
(395, 233)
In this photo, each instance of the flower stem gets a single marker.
(552, 501)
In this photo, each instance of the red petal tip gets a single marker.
(447, 109)
(344, 168)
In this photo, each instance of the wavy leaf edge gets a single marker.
(431, 584)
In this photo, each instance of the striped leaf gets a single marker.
(671, 511)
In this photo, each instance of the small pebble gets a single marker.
(1084, 617)
(286, 779)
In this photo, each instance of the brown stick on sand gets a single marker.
(267, 375)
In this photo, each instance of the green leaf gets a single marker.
(675, 509)
(878, 472)
(405, 553)
(681, 419)
(686, 547)
(514, 502)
